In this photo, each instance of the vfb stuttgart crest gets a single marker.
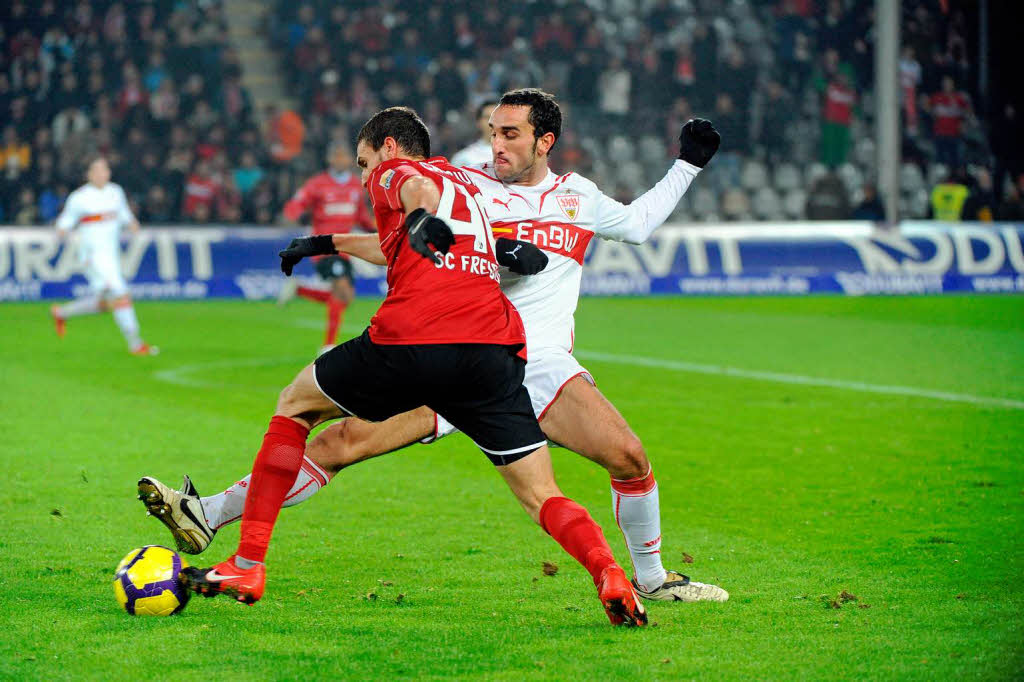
(570, 205)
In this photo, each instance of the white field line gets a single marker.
(184, 374)
(799, 379)
(181, 375)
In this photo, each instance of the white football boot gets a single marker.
(179, 510)
(678, 587)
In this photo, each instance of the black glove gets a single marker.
(317, 245)
(520, 257)
(426, 230)
(698, 142)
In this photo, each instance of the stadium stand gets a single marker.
(157, 86)
(151, 84)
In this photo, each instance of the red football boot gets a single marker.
(620, 601)
(242, 584)
(59, 322)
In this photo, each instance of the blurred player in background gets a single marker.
(480, 151)
(96, 212)
(335, 201)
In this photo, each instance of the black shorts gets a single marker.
(477, 387)
(334, 267)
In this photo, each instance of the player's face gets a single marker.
(98, 173)
(512, 143)
(340, 159)
(368, 158)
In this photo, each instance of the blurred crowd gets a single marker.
(787, 82)
(152, 84)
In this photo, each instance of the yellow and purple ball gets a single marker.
(146, 582)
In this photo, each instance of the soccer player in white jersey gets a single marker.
(96, 212)
(480, 151)
(560, 214)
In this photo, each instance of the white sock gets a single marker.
(226, 507)
(79, 306)
(635, 503)
(128, 324)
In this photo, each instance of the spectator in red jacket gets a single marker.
(837, 116)
(133, 94)
(949, 108)
(201, 192)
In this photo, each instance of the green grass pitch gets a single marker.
(788, 471)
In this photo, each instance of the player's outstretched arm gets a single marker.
(520, 257)
(698, 142)
(69, 217)
(363, 246)
(419, 192)
(303, 247)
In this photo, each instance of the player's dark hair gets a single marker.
(90, 159)
(545, 114)
(401, 123)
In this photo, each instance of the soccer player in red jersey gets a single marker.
(445, 337)
(335, 201)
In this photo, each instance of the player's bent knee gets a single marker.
(630, 460)
(302, 401)
(285, 399)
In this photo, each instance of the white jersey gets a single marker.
(474, 155)
(560, 215)
(97, 215)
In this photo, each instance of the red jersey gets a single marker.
(337, 207)
(200, 190)
(839, 102)
(454, 298)
(949, 111)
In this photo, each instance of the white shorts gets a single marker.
(103, 271)
(548, 370)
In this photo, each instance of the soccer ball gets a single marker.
(146, 582)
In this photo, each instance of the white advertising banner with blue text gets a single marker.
(850, 258)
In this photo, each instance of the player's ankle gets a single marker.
(245, 564)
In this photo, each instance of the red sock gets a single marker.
(578, 534)
(273, 474)
(335, 311)
(319, 295)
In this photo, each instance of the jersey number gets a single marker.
(463, 213)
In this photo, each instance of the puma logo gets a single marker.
(513, 251)
(502, 203)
